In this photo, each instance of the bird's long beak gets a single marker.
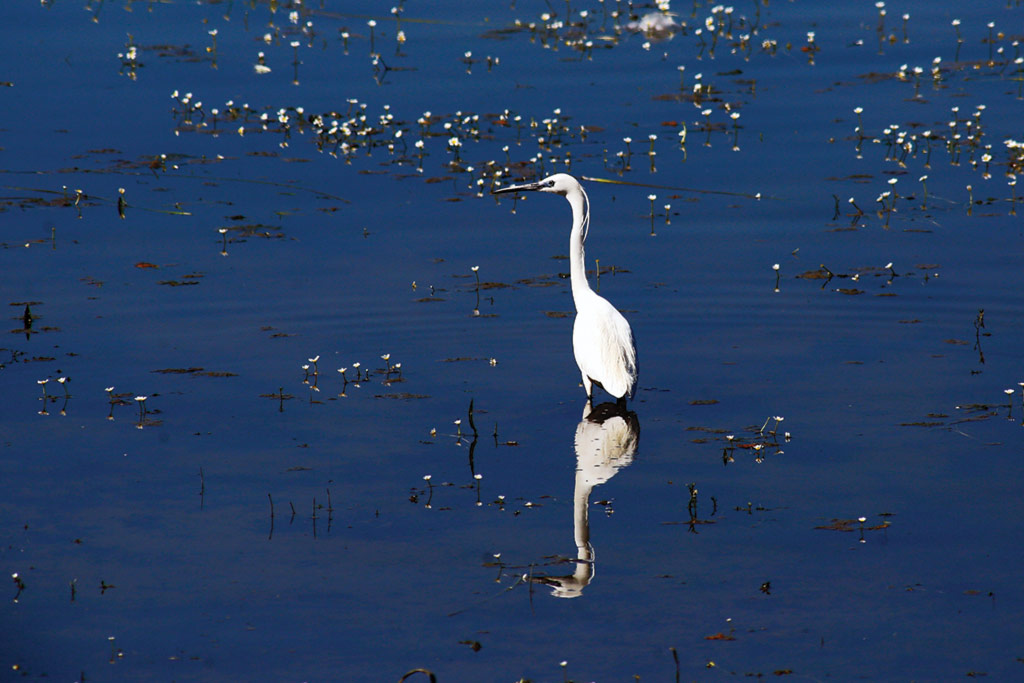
(525, 187)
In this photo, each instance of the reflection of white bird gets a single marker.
(601, 338)
(606, 441)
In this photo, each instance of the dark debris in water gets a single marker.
(542, 281)
(969, 412)
(848, 525)
(757, 441)
(720, 636)
(474, 645)
(278, 396)
(186, 280)
(817, 274)
(276, 333)
(689, 522)
(29, 320)
(196, 372)
(255, 230)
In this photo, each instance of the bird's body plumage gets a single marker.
(602, 343)
(602, 340)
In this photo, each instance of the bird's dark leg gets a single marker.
(587, 408)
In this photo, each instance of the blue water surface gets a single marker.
(820, 476)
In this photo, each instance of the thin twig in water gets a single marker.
(519, 580)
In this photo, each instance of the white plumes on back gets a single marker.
(586, 213)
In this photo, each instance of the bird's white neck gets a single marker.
(580, 223)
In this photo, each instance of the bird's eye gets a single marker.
(550, 183)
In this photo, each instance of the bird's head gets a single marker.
(559, 183)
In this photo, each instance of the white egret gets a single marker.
(601, 338)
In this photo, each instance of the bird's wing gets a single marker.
(627, 349)
(603, 342)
